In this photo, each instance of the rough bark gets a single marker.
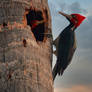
(25, 64)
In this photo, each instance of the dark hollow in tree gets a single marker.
(39, 30)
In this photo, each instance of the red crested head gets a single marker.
(77, 19)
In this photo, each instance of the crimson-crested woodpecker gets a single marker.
(66, 43)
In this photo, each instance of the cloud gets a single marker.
(76, 8)
(70, 8)
(77, 88)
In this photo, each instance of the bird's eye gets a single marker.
(73, 16)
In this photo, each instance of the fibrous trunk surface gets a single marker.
(25, 55)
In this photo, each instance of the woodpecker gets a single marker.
(66, 43)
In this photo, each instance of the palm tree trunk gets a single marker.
(25, 61)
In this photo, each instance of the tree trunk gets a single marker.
(25, 55)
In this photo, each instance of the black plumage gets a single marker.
(65, 48)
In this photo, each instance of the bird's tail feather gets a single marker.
(57, 70)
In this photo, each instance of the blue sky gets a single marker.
(78, 76)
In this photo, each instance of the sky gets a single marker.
(78, 76)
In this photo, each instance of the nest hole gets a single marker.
(34, 20)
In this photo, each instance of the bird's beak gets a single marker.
(66, 15)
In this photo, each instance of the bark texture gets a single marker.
(25, 64)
